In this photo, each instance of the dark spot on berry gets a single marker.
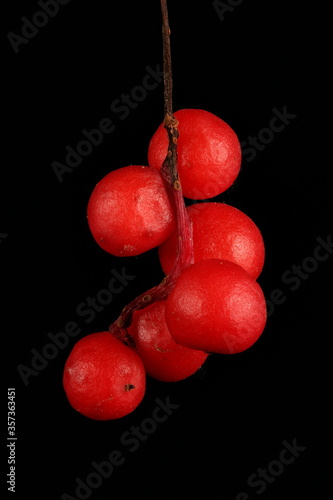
(128, 387)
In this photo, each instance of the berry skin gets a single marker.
(220, 231)
(216, 306)
(209, 153)
(103, 378)
(129, 211)
(164, 359)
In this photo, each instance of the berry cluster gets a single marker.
(211, 254)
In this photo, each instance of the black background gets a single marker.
(234, 414)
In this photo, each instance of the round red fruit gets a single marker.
(209, 153)
(103, 378)
(164, 359)
(216, 306)
(220, 231)
(129, 211)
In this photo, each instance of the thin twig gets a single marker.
(167, 65)
(169, 173)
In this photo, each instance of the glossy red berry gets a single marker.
(103, 378)
(216, 306)
(220, 231)
(209, 153)
(129, 211)
(164, 359)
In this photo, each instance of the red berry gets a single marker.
(219, 232)
(216, 306)
(103, 378)
(209, 153)
(129, 211)
(164, 359)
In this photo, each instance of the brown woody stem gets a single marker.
(169, 172)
